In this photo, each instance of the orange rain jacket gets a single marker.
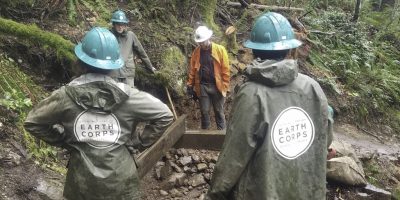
(221, 69)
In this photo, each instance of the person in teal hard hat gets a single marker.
(93, 117)
(130, 48)
(277, 139)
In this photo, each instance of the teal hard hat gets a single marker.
(99, 48)
(272, 31)
(119, 17)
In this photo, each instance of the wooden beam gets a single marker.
(197, 139)
(263, 7)
(147, 159)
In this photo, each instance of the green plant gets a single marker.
(363, 61)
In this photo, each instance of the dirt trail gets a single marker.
(366, 145)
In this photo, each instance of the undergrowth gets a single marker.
(364, 60)
(19, 93)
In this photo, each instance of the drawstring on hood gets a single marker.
(273, 73)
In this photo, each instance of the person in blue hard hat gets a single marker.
(93, 117)
(130, 48)
(277, 139)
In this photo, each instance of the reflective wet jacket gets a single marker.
(130, 47)
(93, 118)
(221, 69)
(277, 138)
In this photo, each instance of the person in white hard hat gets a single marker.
(209, 77)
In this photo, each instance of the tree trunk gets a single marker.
(208, 8)
(357, 11)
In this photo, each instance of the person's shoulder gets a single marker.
(307, 79)
(219, 46)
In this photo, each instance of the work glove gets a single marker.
(152, 70)
(190, 92)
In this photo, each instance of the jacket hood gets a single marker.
(96, 92)
(272, 73)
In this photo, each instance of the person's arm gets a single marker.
(138, 48)
(192, 70)
(239, 145)
(150, 109)
(43, 121)
(225, 69)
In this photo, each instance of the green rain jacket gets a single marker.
(130, 47)
(277, 138)
(93, 118)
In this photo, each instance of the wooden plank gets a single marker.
(150, 156)
(263, 7)
(197, 139)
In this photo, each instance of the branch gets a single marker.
(263, 7)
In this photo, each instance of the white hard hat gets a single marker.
(202, 34)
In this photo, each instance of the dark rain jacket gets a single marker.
(97, 116)
(130, 47)
(277, 138)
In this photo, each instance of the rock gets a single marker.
(396, 173)
(377, 191)
(185, 160)
(207, 176)
(211, 165)
(177, 179)
(361, 194)
(49, 189)
(196, 159)
(201, 167)
(11, 159)
(163, 193)
(214, 159)
(186, 169)
(182, 152)
(163, 170)
(197, 180)
(207, 158)
(175, 167)
(175, 193)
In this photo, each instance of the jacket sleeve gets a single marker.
(138, 48)
(225, 69)
(150, 109)
(239, 145)
(192, 70)
(43, 121)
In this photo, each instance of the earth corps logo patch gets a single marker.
(292, 133)
(98, 130)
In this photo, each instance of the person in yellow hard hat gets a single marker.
(209, 77)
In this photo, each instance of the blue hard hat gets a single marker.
(99, 48)
(119, 17)
(272, 31)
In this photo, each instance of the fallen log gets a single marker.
(263, 7)
(147, 159)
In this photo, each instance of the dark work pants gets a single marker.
(211, 95)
